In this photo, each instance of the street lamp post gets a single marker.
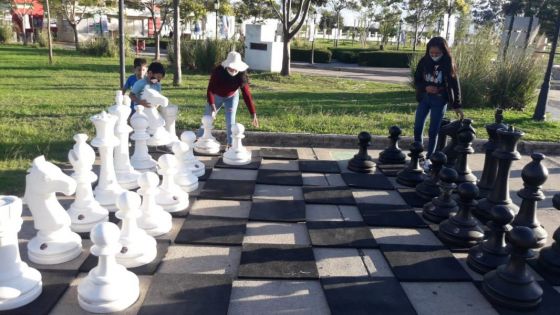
(313, 40)
(121, 44)
(399, 34)
(540, 110)
(216, 8)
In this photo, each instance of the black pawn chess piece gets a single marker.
(413, 174)
(442, 139)
(450, 131)
(441, 207)
(393, 154)
(549, 257)
(506, 153)
(465, 137)
(462, 229)
(494, 251)
(511, 285)
(429, 189)
(490, 169)
(362, 162)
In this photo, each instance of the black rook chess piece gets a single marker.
(362, 162)
(511, 285)
(490, 169)
(442, 206)
(393, 154)
(494, 251)
(442, 138)
(462, 229)
(413, 174)
(464, 148)
(429, 188)
(549, 257)
(450, 130)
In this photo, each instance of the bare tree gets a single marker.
(74, 11)
(49, 38)
(157, 8)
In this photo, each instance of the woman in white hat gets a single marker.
(223, 91)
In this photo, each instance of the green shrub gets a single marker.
(164, 43)
(320, 55)
(204, 55)
(100, 46)
(344, 54)
(42, 38)
(391, 59)
(6, 34)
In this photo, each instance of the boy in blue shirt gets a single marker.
(156, 72)
(140, 68)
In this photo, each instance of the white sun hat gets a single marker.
(234, 61)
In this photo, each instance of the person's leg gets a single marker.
(437, 112)
(230, 111)
(420, 118)
(219, 101)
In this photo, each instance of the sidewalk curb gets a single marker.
(341, 69)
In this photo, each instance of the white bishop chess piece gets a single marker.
(184, 176)
(85, 212)
(207, 144)
(197, 168)
(138, 248)
(170, 113)
(141, 159)
(19, 283)
(171, 196)
(55, 243)
(108, 287)
(156, 129)
(154, 220)
(237, 154)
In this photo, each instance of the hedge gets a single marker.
(392, 59)
(304, 54)
(348, 55)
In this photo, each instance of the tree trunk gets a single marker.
(76, 41)
(529, 29)
(506, 44)
(415, 36)
(49, 33)
(156, 37)
(447, 32)
(176, 44)
(286, 59)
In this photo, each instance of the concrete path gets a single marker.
(353, 71)
(553, 106)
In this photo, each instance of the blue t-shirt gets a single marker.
(138, 88)
(130, 82)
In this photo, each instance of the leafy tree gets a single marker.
(74, 11)
(488, 12)
(155, 7)
(549, 16)
(421, 14)
(337, 7)
(328, 20)
(388, 19)
(258, 10)
(47, 8)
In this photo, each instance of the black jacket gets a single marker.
(451, 84)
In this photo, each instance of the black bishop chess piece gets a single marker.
(362, 162)
(462, 229)
(441, 207)
(393, 154)
(494, 251)
(442, 138)
(511, 285)
(450, 131)
(413, 174)
(490, 169)
(549, 257)
(465, 137)
(429, 189)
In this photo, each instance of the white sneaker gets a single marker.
(427, 165)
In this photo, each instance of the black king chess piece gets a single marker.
(429, 189)
(413, 174)
(362, 162)
(393, 154)
(450, 131)
(465, 137)
(549, 257)
(441, 207)
(490, 169)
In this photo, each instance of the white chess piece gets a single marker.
(197, 168)
(169, 114)
(126, 101)
(237, 154)
(108, 189)
(127, 177)
(54, 243)
(108, 287)
(139, 248)
(154, 220)
(141, 159)
(207, 144)
(156, 129)
(171, 197)
(19, 283)
(85, 212)
(184, 176)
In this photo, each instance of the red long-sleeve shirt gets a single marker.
(222, 84)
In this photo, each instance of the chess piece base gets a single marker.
(410, 178)
(524, 295)
(427, 189)
(63, 245)
(173, 202)
(21, 290)
(392, 157)
(85, 218)
(159, 138)
(142, 250)
(189, 188)
(437, 211)
(197, 168)
(143, 164)
(483, 261)
(207, 146)
(459, 234)
(128, 180)
(361, 166)
(549, 258)
(109, 295)
(242, 157)
(157, 224)
(107, 197)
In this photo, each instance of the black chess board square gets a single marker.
(328, 195)
(279, 154)
(228, 189)
(254, 165)
(391, 170)
(206, 230)
(279, 177)
(551, 277)
(277, 210)
(319, 166)
(412, 198)
(340, 234)
(207, 173)
(368, 181)
(390, 216)
(275, 261)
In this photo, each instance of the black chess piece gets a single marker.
(441, 207)
(462, 229)
(490, 169)
(450, 131)
(429, 189)
(506, 153)
(442, 138)
(494, 251)
(549, 257)
(362, 162)
(393, 154)
(511, 285)
(465, 137)
(413, 174)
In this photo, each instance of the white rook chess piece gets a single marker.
(237, 154)
(154, 220)
(169, 114)
(107, 189)
(54, 243)
(127, 177)
(156, 129)
(207, 144)
(197, 168)
(85, 212)
(138, 248)
(171, 197)
(108, 287)
(19, 283)
(141, 159)
(184, 176)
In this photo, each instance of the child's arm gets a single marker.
(138, 101)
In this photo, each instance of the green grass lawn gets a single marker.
(43, 106)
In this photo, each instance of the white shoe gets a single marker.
(427, 165)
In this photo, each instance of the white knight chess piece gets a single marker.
(141, 159)
(156, 129)
(237, 154)
(207, 144)
(197, 168)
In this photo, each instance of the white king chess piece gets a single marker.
(141, 159)
(207, 144)
(127, 177)
(108, 287)
(237, 154)
(154, 220)
(55, 242)
(184, 176)
(170, 113)
(171, 196)
(19, 283)
(156, 129)
(85, 212)
(197, 168)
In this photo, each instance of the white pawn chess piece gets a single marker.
(156, 129)
(126, 101)
(197, 168)
(171, 196)
(207, 144)
(108, 287)
(85, 212)
(237, 154)
(169, 114)
(108, 189)
(127, 177)
(138, 248)
(55, 243)
(184, 176)
(19, 283)
(141, 159)
(154, 220)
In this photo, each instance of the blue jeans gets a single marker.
(435, 106)
(230, 104)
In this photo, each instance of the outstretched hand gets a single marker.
(255, 121)
(459, 113)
